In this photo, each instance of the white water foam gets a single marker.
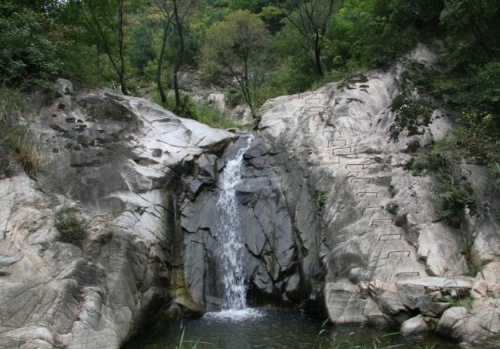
(234, 315)
(231, 249)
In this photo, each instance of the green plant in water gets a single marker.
(185, 344)
(354, 342)
(72, 229)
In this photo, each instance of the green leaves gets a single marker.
(236, 53)
(72, 229)
(28, 53)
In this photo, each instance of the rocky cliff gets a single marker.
(89, 250)
(118, 230)
(386, 252)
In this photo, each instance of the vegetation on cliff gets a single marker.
(256, 50)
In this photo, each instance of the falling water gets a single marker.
(229, 237)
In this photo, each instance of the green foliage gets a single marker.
(373, 33)
(451, 190)
(412, 110)
(210, 115)
(311, 45)
(105, 238)
(480, 143)
(321, 197)
(472, 30)
(254, 6)
(392, 208)
(29, 53)
(141, 50)
(296, 72)
(205, 113)
(72, 229)
(236, 54)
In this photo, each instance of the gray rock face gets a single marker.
(278, 222)
(377, 221)
(330, 214)
(114, 163)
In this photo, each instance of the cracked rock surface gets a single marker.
(380, 239)
(113, 163)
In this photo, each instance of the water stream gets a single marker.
(278, 329)
(230, 244)
(237, 326)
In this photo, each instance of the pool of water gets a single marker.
(274, 329)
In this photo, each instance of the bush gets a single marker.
(72, 229)
(28, 54)
(199, 111)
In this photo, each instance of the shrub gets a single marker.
(202, 112)
(72, 229)
(321, 197)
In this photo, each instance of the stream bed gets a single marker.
(275, 329)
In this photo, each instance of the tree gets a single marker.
(312, 19)
(105, 20)
(480, 18)
(141, 50)
(29, 51)
(236, 52)
(175, 14)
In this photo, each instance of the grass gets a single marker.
(14, 135)
(353, 341)
(185, 344)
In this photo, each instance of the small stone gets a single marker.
(437, 296)
(414, 325)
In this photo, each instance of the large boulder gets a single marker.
(354, 142)
(89, 251)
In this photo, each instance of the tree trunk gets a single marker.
(121, 48)
(180, 56)
(159, 81)
(317, 55)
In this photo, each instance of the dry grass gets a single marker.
(16, 107)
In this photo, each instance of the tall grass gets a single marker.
(14, 134)
(354, 341)
(187, 344)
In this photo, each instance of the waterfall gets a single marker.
(231, 245)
